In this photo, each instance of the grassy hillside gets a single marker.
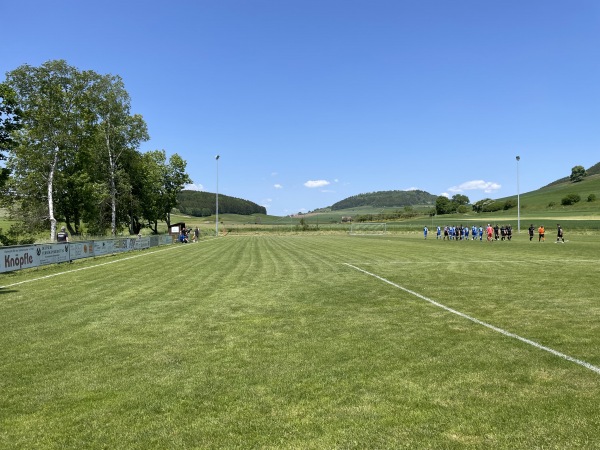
(549, 197)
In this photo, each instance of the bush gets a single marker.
(551, 204)
(570, 199)
(591, 198)
(510, 204)
(492, 207)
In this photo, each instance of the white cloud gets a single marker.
(445, 194)
(476, 185)
(316, 183)
(278, 186)
(274, 174)
(193, 187)
(412, 189)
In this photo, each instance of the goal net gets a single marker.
(358, 229)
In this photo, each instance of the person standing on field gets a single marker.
(62, 235)
(542, 234)
(425, 230)
(490, 233)
(559, 234)
(531, 231)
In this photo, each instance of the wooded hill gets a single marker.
(202, 204)
(386, 199)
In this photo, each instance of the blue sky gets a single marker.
(309, 102)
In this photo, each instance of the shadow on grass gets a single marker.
(7, 291)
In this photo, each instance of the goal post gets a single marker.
(370, 229)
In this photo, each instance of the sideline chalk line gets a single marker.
(89, 267)
(485, 324)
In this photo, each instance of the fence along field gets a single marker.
(274, 341)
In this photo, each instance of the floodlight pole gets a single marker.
(217, 197)
(518, 199)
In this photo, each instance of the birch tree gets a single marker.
(53, 125)
(118, 133)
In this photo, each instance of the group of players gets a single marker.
(492, 233)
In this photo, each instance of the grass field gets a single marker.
(307, 342)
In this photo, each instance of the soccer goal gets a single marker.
(360, 229)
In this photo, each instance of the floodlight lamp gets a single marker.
(217, 157)
(518, 158)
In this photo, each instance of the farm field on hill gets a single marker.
(307, 341)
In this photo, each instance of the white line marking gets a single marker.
(487, 325)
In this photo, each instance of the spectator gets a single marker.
(62, 235)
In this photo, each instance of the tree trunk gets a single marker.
(51, 197)
(113, 188)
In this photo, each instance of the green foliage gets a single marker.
(17, 234)
(443, 205)
(494, 206)
(77, 153)
(591, 198)
(570, 199)
(508, 204)
(387, 199)
(481, 204)
(577, 174)
(460, 199)
(10, 122)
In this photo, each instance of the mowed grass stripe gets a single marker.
(272, 342)
(479, 322)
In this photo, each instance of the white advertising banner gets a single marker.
(123, 244)
(28, 256)
(103, 247)
(141, 243)
(16, 258)
(53, 253)
(80, 250)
